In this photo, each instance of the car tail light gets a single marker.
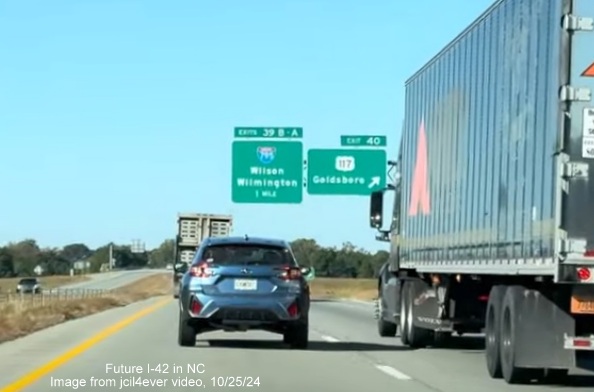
(201, 270)
(293, 310)
(589, 253)
(291, 273)
(584, 274)
(195, 306)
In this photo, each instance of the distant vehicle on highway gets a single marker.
(169, 266)
(240, 283)
(192, 229)
(29, 285)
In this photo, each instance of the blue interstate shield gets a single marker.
(266, 155)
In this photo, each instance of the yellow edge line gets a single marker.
(55, 363)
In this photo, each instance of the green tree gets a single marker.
(25, 256)
(6, 264)
(163, 255)
(75, 252)
(53, 263)
(22, 257)
(99, 257)
(305, 250)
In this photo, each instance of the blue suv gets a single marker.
(241, 284)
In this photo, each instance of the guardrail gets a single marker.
(52, 295)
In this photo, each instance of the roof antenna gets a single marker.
(246, 237)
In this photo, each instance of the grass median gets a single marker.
(23, 318)
(343, 288)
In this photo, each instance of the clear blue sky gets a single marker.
(117, 114)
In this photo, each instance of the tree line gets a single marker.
(27, 258)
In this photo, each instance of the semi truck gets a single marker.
(192, 229)
(492, 224)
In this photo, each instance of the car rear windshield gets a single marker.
(247, 254)
(28, 281)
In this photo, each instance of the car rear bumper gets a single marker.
(28, 291)
(247, 311)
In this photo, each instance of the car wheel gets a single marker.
(297, 336)
(186, 335)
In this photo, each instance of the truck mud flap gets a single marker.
(427, 308)
(541, 330)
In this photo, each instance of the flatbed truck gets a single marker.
(492, 228)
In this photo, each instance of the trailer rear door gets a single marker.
(575, 159)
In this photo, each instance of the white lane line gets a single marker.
(390, 371)
(330, 339)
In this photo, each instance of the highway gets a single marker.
(112, 280)
(345, 355)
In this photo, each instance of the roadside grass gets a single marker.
(343, 288)
(18, 320)
(47, 282)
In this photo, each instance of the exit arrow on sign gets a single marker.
(375, 181)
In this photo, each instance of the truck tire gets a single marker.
(186, 334)
(510, 315)
(493, 331)
(442, 338)
(384, 328)
(417, 337)
(404, 333)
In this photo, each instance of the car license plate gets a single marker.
(246, 284)
(582, 305)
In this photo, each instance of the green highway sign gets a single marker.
(269, 132)
(363, 140)
(267, 172)
(346, 171)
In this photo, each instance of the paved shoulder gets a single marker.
(31, 352)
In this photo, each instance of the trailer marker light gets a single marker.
(584, 274)
(581, 343)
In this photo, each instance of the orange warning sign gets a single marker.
(589, 72)
(419, 196)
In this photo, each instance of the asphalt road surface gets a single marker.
(113, 280)
(345, 355)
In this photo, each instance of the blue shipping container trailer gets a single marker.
(493, 222)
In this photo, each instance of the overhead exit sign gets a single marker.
(363, 141)
(345, 171)
(269, 132)
(267, 172)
